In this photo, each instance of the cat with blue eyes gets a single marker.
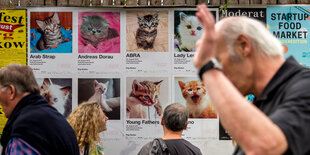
(51, 35)
(190, 30)
(95, 29)
(56, 95)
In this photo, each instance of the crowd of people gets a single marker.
(235, 57)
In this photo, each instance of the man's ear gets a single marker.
(243, 45)
(186, 125)
(12, 92)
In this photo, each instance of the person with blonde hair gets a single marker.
(88, 120)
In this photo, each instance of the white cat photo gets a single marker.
(57, 93)
(189, 30)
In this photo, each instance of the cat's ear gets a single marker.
(183, 16)
(158, 83)
(135, 85)
(55, 17)
(104, 23)
(41, 24)
(95, 83)
(181, 84)
(65, 90)
(107, 83)
(139, 18)
(85, 19)
(47, 81)
(156, 15)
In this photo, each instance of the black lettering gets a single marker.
(14, 19)
(16, 44)
(20, 19)
(6, 18)
(273, 16)
(7, 45)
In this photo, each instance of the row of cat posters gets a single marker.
(135, 62)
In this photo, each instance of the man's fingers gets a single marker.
(205, 17)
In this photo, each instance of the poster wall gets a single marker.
(134, 62)
(110, 56)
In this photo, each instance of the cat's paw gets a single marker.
(159, 109)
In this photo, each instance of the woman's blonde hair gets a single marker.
(85, 121)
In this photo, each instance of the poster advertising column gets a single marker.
(187, 30)
(50, 41)
(147, 41)
(13, 36)
(291, 24)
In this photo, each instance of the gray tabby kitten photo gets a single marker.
(95, 29)
(50, 30)
(147, 30)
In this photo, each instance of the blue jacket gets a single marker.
(41, 126)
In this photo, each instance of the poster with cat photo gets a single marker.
(105, 91)
(146, 97)
(187, 30)
(99, 42)
(50, 41)
(99, 32)
(51, 32)
(58, 92)
(147, 31)
(192, 93)
(147, 42)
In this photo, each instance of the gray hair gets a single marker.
(175, 117)
(20, 76)
(261, 38)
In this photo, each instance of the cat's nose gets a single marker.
(193, 33)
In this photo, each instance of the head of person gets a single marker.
(175, 117)
(242, 44)
(88, 120)
(16, 81)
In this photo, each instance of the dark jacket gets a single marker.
(41, 126)
(155, 147)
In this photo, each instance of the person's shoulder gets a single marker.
(193, 147)
(145, 148)
(40, 112)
